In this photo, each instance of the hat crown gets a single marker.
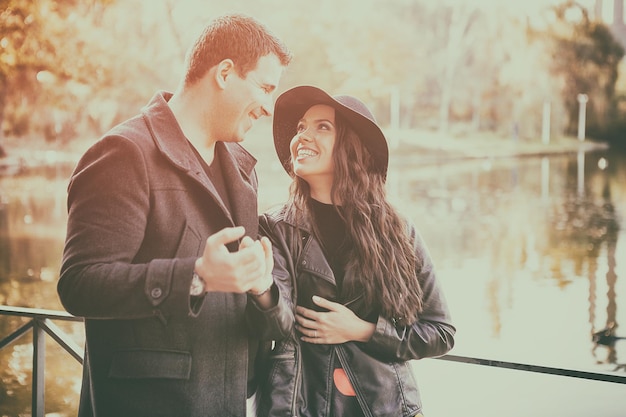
(356, 105)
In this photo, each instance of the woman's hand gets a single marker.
(261, 288)
(338, 325)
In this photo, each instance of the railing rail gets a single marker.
(572, 373)
(41, 323)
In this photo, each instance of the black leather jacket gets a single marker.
(378, 370)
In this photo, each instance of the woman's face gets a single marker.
(312, 149)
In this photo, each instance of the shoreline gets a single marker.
(421, 147)
(433, 148)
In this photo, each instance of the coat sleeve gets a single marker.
(431, 335)
(278, 322)
(108, 209)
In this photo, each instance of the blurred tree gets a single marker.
(39, 44)
(523, 83)
(72, 68)
(75, 67)
(459, 38)
(361, 47)
(133, 50)
(585, 59)
(476, 69)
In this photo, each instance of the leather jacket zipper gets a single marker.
(294, 400)
(358, 297)
(346, 367)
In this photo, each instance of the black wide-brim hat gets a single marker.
(292, 104)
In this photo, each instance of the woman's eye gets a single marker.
(300, 128)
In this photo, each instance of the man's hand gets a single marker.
(223, 271)
(265, 282)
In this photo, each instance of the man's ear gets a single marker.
(225, 69)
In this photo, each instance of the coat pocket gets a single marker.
(190, 243)
(144, 363)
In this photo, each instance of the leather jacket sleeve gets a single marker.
(275, 322)
(431, 335)
(283, 317)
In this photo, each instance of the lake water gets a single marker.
(531, 253)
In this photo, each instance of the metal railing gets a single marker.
(41, 323)
(572, 373)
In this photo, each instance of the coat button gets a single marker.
(304, 262)
(156, 293)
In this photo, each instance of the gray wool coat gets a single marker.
(140, 209)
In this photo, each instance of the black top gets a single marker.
(332, 230)
(332, 235)
(214, 172)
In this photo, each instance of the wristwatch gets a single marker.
(260, 293)
(197, 285)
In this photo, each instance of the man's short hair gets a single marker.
(235, 36)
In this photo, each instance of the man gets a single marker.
(161, 256)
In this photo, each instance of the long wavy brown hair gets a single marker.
(382, 255)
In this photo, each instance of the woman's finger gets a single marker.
(305, 312)
(305, 322)
(327, 304)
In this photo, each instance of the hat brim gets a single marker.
(292, 104)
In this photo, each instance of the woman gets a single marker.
(363, 290)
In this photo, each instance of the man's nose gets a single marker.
(266, 110)
(267, 106)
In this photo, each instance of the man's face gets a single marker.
(249, 98)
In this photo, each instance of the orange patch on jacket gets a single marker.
(343, 383)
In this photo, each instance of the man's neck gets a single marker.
(189, 115)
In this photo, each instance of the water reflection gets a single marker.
(518, 242)
(586, 229)
(605, 339)
(528, 249)
(32, 230)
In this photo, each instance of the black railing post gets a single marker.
(39, 363)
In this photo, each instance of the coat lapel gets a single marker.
(237, 164)
(238, 167)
